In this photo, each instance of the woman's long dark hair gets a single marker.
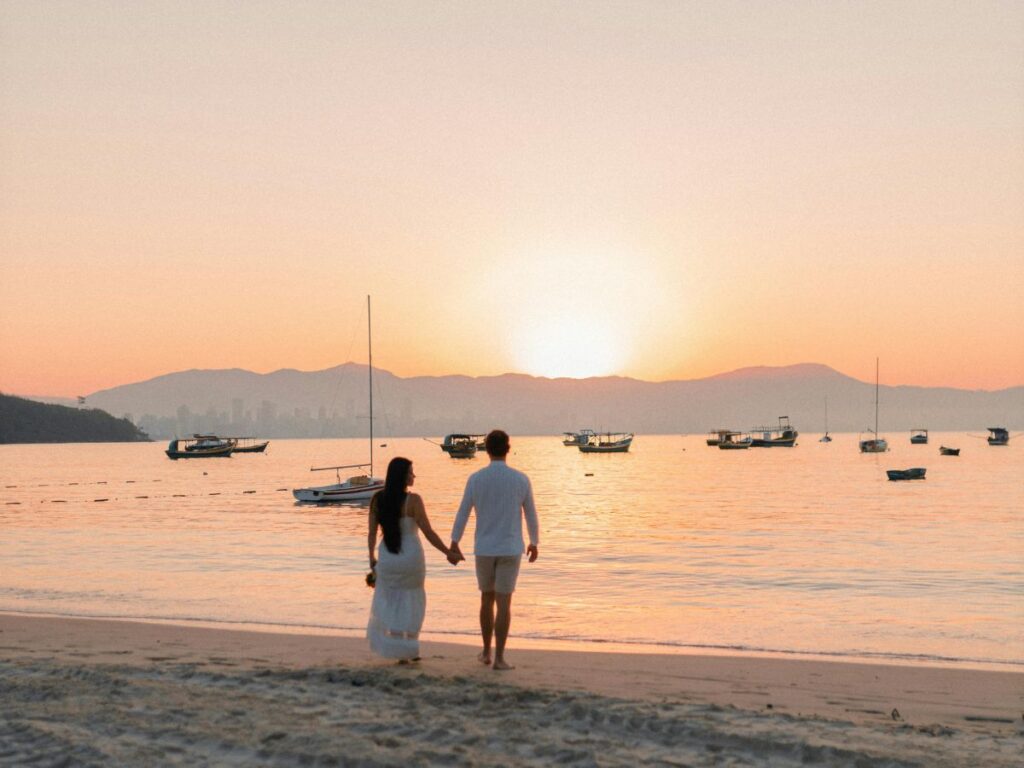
(388, 503)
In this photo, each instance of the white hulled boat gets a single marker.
(358, 487)
(875, 444)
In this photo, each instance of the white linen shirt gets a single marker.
(501, 496)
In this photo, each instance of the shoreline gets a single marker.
(745, 705)
(564, 645)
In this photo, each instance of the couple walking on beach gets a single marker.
(502, 497)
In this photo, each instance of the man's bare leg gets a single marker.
(486, 625)
(502, 621)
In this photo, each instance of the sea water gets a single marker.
(674, 545)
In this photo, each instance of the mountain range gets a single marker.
(334, 403)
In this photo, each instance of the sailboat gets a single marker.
(875, 444)
(358, 487)
(826, 438)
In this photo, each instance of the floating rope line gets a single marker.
(249, 492)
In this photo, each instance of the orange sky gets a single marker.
(658, 190)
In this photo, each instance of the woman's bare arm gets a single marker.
(371, 536)
(420, 514)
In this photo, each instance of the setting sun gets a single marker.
(567, 343)
(579, 310)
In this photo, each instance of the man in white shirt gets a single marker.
(502, 496)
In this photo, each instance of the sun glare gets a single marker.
(571, 345)
(575, 310)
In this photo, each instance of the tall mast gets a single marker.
(876, 398)
(369, 346)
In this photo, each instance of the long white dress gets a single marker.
(399, 599)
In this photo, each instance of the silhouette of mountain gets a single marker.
(333, 402)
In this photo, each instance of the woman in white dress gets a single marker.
(399, 600)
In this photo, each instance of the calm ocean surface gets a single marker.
(807, 550)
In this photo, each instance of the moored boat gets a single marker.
(358, 487)
(782, 435)
(355, 488)
(874, 444)
(918, 436)
(249, 444)
(462, 446)
(998, 436)
(607, 442)
(914, 473)
(572, 439)
(944, 451)
(735, 441)
(716, 436)
(199, 447)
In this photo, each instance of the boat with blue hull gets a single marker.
(782, 435)
(998, 436)
(199, 447)
(914, 473)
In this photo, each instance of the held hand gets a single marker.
(455, 555)
(532, 552)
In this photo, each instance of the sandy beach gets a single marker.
(97, 692)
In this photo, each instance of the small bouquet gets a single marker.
(371, 578)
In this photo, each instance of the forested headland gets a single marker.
(26, 421)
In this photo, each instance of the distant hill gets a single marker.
(26, 421)
(333, 403)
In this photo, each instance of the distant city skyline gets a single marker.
(334, 403)
(656, 190)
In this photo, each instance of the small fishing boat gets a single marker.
(462, 446)
(199, 447)
(573, 439)
(914, 473)
(248, 444)
(358, 487)
(944, 451)
(918, 437)
(999, 436)
(874, 444)
(782, 435)
(735, 441)
(607, 442)
(825, 438)
(716, 436)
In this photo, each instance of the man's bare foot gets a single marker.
(501, 665)
(484, 658)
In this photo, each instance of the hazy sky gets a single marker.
(653, 189)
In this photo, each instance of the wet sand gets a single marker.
(97, 692)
